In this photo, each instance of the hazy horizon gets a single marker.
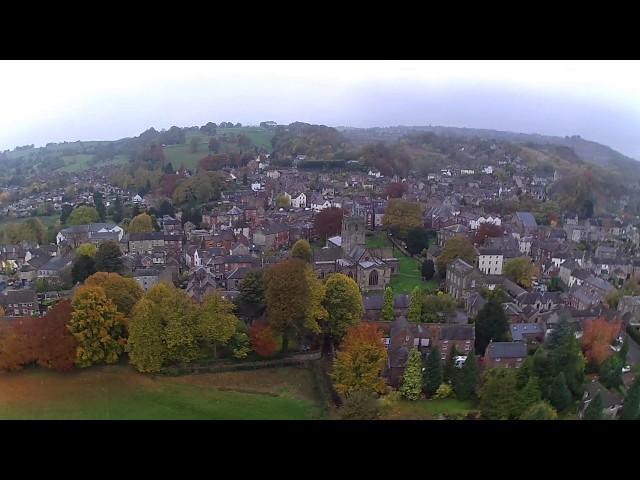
(56, 101)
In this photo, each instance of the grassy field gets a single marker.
(409, 275)
(427, 409)
(118, 392)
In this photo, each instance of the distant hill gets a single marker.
(591, 152)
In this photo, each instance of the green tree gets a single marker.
(417, 240)
(520, 270)
(435, 308)
(401, 216)
(250, 299)
(97, 326)
(301, 249)
(343, 304)
(282, 201)
(87, 249)
(140, 224)
(466, 381)
(456, 247)
(118, 210)
(411, 386)
(594, 409)
(539, 411)
(631, 406)
(427, 270)
(529, 395)
(83, 215)
(108, 257)
(433, 372)
(498, 394)
(360, 405)
(560, 396)
(450, 371)
(98, 201)
(491, 324)
(216, 320)
(611, 372)
(415, 306)
(387, 305)
(83, 266)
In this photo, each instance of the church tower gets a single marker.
(353, 229)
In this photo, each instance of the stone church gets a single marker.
(371, 268)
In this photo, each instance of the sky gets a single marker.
(54, 101)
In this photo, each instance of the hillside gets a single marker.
(589, 151)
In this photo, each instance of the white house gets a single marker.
(490, 261)
(319, 204)
(275, 174)
(475, 224)
(376, 174)
(488, 170)
(298, 201)
(137, 199)
(467, 172)
(256, 187)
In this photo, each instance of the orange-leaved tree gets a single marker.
(597, 336)
(359, 363)
(261, 337)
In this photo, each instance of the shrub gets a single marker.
(444, 391)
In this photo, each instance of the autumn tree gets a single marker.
(282, 201)
(301, 249)
(108, 257)
(395, 189)
(57, 346)
(293, 295)
(328, 222)
(97, 326)
(491, 325)
(411, 385)
(261, 338)
(401, 216)
(141, 224)
(487, 230)
(359, 362)
(343, 303)
(597, 337)
(456, 247)
(122, 291)
(387, 313)
(216, 321)
(520, 270)
(415, 305)
(250, 300)
(146, 346)
(360, 405)
(83, 215)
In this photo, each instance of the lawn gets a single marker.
(118, 392)
(409, 275)
(427, 409)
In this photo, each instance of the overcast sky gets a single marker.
(53, 101)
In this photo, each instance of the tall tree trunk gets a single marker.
(285, 342)
(215, 350)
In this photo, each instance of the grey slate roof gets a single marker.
(507, 350)
(520, 329)
(527, 219)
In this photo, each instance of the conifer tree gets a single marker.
(594, 409)
(387, 305)
(433, 372)
(560, 396)
(415, 305)
(412, 379)
(631, 407)
(467, 380)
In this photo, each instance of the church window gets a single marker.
(373, 278)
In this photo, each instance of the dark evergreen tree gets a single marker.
(450, 371)
(428, 269)
(433, 372)
(83, 266)
(466, 381)
(491, 324)
(631, 406)
(98, 201)
(250, 299)
(594, 409)
(118, 210)
(168, 168)
(611, 372)
(529, 395)
(560, 396)
(108, 258)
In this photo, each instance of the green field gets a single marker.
(409, 275)
(118, 392)
(427, 409)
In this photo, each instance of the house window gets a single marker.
(350, 274)
(373, 278)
